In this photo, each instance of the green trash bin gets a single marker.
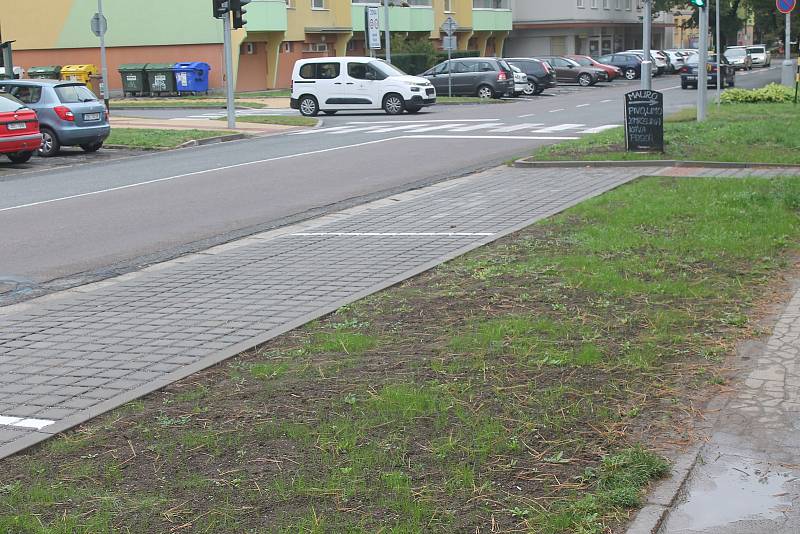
(161, 78)
(50, 72)
(134, 79)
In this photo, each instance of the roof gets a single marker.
(43, 82)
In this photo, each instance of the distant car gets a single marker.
(485, 77)
(611, 71)
(570, 71)
(659, 60)
(690, 75)
(677, 59)
(760, 55)
(739, 57)
(630, 64)
(69, 113)
(520, 81)
(19, 130)
(541, 75)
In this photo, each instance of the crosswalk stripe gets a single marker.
(323, 130)
(517, 127)
(477, 127)
(396, 128)
(559, 128)
(599, 129)
(436, 127)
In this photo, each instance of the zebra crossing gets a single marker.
(270, 112)
(458, 128)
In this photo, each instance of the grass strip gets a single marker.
(507, 390)
(181, 103)
(759, 133)
(275, 119)
(153, 138)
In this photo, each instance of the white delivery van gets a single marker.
(331, 84)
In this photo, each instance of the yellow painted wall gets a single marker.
(301, 16)
(18, 19)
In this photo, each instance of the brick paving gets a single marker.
(68, 357)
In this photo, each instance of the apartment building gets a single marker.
(278, 32)
(592, 27)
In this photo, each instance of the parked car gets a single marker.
(677, 59)
(331, 84)
(485, 77)
(69, 113)
(690, 75)
(611, 71)
(659, 60)
(630, 64)
(540, 74)
(570, 71)
(520, 80)
(739, 57)
(19, 129)
(760, 55)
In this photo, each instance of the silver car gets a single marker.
(69, 113)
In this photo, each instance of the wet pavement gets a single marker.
(747, 479)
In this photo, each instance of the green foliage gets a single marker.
(771, 93)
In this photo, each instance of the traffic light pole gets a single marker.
(231, 106)
(103, 59)
(719, 58)
(388, 31)
(702, 67)
(647, 39)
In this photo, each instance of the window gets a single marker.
(628, 5)
(581, 4)
(448, 6)
(463, 67)
(320, 71)
(594, 4)
(441, 68)
(72, 94)
(316, 47)
(290, 4)
(490, 4)
(317, 4)
(27, 94)
(606, 4)
(287, 47)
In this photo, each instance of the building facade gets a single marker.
(278, 32)
(589, 27)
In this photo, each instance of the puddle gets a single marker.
(730, 490)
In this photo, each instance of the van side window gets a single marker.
(320, 71)
(357, 70)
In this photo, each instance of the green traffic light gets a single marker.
(698, 3)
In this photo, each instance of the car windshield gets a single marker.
(9, 103)
(386, 68)
(72, 94)
(586, 62)
(756, 50)
(736, 52)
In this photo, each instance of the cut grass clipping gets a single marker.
(758, 133)
(506, 391)
(151, 138)
(275, 119)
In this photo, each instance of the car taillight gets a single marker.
(64, 113)
(502, 76)
(713, 68)
(684, 69)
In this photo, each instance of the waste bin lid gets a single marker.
(192, 65)
(159, 66)
(132, 67)
(48, 68)
(81, 68)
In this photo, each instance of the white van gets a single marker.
(331, 84)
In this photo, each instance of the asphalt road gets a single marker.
(66, 226)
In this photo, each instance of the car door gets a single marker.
(464, 76)
(362, 85)
(328, 83)
(565, 71)
(438, 77)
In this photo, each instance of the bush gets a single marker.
(771, 93)
(411, 63)
(442, 56)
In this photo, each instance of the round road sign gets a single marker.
(786, 6)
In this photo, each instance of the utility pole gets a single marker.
(647, 39)
(103, 59)
(719, 58)
(702, 67)
(388, 31)
(228, 51)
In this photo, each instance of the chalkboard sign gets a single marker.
(644, 121)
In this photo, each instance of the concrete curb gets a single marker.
(213, 140)
(528, 163)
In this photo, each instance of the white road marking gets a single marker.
(198, 173)
(511, 137)
(605, 101)
(526, 116)
(556, 110)
(393, 234)
(322, 130)
(355, 129)
(583, 105)
(422, 121)
(19, 422)
(599, 129)
(560, 128)
(437, 127)
(517, 127)
(672, 88)
(477, 127)
(392, 128)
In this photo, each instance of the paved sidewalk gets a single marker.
(69, 357)
(747, 479)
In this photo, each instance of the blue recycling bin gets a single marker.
(191, 77)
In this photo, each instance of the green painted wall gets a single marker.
(143, 23)
(266, 16)
(401, 19)
(492, 19)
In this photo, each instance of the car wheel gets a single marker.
(684, 85)
(50, 145)
(20, 157)
(630, 74)
(585, 80)
(538, 90)
(530, 89)
(308, 106)
(732, 82)
(485, 91)
(413, 109)
(393, 104)
(329, 111)
(92, 147)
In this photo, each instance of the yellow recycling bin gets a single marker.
(79, 73)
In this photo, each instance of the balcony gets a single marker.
(266, 16)
(491, 15)
(417, 18)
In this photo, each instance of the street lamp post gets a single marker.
(647, 39)
(388, 31)
(702, 67)
(719, 58)
(103, 61)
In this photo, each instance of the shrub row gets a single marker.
(771, 93)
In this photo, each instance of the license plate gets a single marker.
(710, 78)
(91, 116)
(17, 126)
(691, 77)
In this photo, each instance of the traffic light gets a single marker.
(698, 3)
(238, 10)
(220, 8)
